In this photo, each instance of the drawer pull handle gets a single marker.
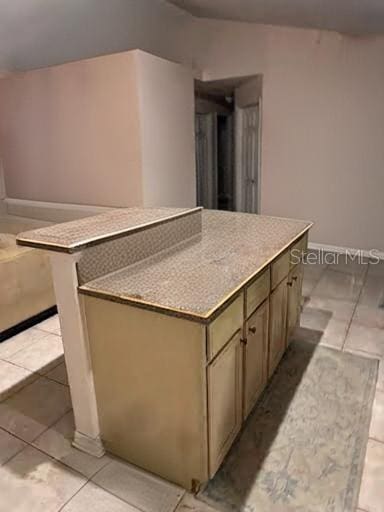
(252, 329)
(294, 278)
(289, 283)
(243, 341)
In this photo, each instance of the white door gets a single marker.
(206, 159)
(250, 159)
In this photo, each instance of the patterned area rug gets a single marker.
(303, 447)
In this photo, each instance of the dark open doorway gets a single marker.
(228, 143)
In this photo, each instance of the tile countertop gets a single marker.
(73, 236)
(196, 278)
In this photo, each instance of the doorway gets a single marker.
(227, 140)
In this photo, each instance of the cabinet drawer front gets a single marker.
(224, 402)
(298, 250)
(258, 291)
(280, 269)
(221, 330)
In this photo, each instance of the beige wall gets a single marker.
(323, 124)
(69, 133)
(166, 112)
(116, 130)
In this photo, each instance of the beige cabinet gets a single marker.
(295, 281)
(255, 356)
(277, 325)
(224, 401)
(191, 384)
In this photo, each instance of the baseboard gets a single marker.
(349, 250)
(26, 324)
(49, 211)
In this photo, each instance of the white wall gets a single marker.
(323, 124)
(166, 118)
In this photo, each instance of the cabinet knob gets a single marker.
(243, 341)
(294, 278)
(289, 283)
(252, 329)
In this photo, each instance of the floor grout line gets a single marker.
(318, 280)
(41, 433)
(355, 307)
(40, 369)
(18, 451)
(88, 479)
(24, 348)
(33, 376)
(71, 498)
(116, 496)
(180, 499)
(29, 445)
(46, 332)
(363, 353)
(36, 376)
(375, 439)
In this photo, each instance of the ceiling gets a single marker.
(221, 88)
(39, 33)
(356, 17)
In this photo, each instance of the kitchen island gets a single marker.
(173, 321)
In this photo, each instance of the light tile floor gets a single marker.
(41, 471)
(31, 353)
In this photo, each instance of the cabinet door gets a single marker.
(277, 325)
(255, 356)
(224, 401)
(295, 283)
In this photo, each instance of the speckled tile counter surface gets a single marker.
(75, 235)
(198, 276)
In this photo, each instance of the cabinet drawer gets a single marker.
(224, 326)
(258, 291)
(280, 269)
(298, 250)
